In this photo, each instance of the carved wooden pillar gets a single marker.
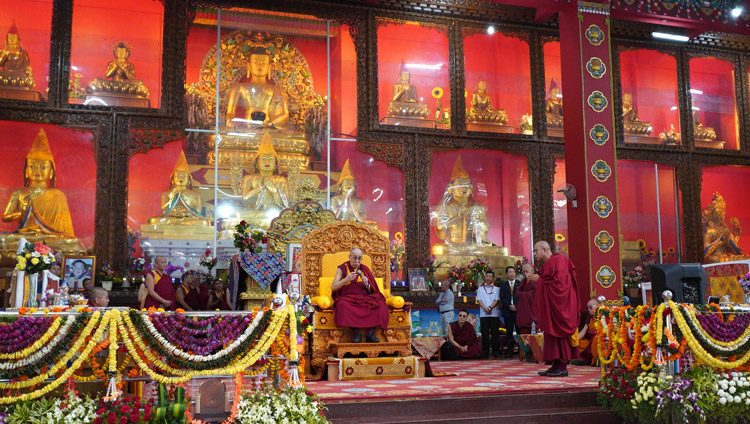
(590, 147)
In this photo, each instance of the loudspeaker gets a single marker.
(687, 282)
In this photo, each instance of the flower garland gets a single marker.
(22, 332)
(200, 341)
(69, 321)
(70, 369)
(53, 326)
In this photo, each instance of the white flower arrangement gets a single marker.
(288, 405)
(72, 409)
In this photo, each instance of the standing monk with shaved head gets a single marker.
(159, 286)
(557, 308)
(357, 301)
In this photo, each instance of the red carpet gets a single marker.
(471, 377)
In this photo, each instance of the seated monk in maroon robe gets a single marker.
(357, 301)
(159, 287)
(587, 349)
(556, 308)
(462, 340)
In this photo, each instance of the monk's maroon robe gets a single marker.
(163, 287)
(557, 307)
(465, 335)
(356, 306)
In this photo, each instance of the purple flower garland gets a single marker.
(22, 333)
(201, 341)
(723, 331)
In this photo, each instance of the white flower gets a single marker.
(747, 401)
(732, 383)
(732, 389)
(737, 399)
(722, 400)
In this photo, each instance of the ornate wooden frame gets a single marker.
(120, 132)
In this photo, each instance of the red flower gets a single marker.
(125, 409)
(123, 420)
(134, 418)
(265, 240)
(243, 223)
(98, 420)
(111, 418)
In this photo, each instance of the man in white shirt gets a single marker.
(488, 297)
(445, 306)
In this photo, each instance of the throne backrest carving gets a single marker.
(295, 223)
(342, 236)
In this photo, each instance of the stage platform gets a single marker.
(469, 391)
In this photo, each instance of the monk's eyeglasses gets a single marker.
(462, 316)
(356, 258)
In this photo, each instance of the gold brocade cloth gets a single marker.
(427, 346)
(377, 368)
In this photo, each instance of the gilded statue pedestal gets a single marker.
(641, 139)
(9, 245)
(20, 94)
(254, 295)
(711, 144)
(177, 232)
(496, 257)
(405, 121)
(114, 100)
(489, 127)
(555, 132)
(291, 148)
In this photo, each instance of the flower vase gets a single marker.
(633, 292)
(31, 301)
(431, 278)
(107, 285)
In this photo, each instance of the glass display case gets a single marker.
(560, 208)
(650, 112)
(498, 82)
(413, 75)
(479, 207)
(649, 206)
(116, 53)
(24, 58)
(553, 83)
(48, 187)
(712, 91)
(725, 211)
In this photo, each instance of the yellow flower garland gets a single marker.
(698, 352)
(36, 345)
(112, 354)
(76, 364)
(292, 333)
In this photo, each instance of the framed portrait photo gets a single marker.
(418, 280)
(293, 257)
(76, 269)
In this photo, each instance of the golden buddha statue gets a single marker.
(180, 204)
(405, 102)
(40, 209)
(265, 189)
(345, 204)
(702, 133)
(554, 108)
(481, 107)
(630, 121)
(260, 105)
(15, 63)
(119, 81)
(720, 241)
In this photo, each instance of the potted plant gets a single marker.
(631, 280)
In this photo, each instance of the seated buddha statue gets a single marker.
(630, 120)
(40, 209)
(554, 108)
(119, 78)
(720, 241)
(461, 221)
(345, 204)
(405, 102)
(265, 189)
(15, 66)
(702, 133)
(481, 107)
(180, 204)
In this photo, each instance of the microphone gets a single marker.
(359, 272)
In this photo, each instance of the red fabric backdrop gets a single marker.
(75, 170)
(504, 63)
(97, 24)
(148, 178)
(414, 45)
(651, 77)
(34, 31)
(715, 78)
(730, 182)
(560, 206)
(501, 183)
(552, 65)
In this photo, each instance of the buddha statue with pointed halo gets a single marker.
(481, 107)
(720, 241)
(119, 81)
(265, 189)
(405, 102)
(40, 209)
(345, 204)
(180, 205)
(554, 106)
(630, 120)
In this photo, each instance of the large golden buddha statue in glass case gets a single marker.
(119, 86)
(16, 75)
(405, 107)
(40, 209)
(345, 204)
(482, 116)
(720, 241)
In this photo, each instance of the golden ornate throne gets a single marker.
(324, 249)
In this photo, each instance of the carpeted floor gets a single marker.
(479, 376)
